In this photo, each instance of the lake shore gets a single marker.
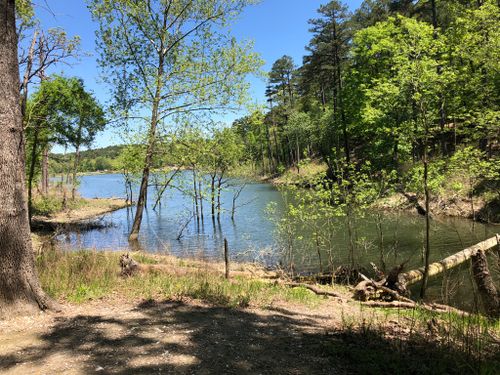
(182, 316)
(87, 210)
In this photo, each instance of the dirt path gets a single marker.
(169, 337)
(190, 337)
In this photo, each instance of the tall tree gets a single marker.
(20, 290)
(329, 52)
(170, 59)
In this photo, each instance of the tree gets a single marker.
(83, 119)
(20, 290)
(329, 51)
(61, 111)
(281, 79)
(171, 60)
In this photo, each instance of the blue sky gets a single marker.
(278, 27)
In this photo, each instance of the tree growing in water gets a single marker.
(170, 60)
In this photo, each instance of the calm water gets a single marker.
(253, 235)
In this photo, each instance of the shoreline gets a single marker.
(89, 213)
(186, 313)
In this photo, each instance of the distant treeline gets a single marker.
(100, 159)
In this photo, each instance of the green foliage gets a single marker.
(51, 204)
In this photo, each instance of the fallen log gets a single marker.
(454, 260)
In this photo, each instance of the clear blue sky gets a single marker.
(278, 27)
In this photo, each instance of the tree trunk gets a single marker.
(31, 173)
(29, 65)
(143, 190)
(195, 193)
(20, 290)
(411, 277)
(427, 217)
(75, 172)
(200, 196)
(485, 284)
(45, 170)
(219, 188)
(212, 194)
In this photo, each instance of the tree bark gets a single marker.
(20, 290)
(485, 284)
(75, 172)
(143, 190)
(427, 217)
(29, 66)
(454, 260)
(45, 170)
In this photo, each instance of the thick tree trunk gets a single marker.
(485, 284)
(31, 173)
(20, 290)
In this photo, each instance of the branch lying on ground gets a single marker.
(319, 292)
(436, 308)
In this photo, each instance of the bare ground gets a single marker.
(167, 337)
(190, 337)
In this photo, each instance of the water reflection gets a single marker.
(387, 239)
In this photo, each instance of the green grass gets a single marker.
(51, 204)
(85, 275)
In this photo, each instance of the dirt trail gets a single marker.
(168, 337)
(190, 337)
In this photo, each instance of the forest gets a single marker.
(393, 110)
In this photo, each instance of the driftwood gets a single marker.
(369, 289)
(454, 260)
(128, 266)
(390, 293)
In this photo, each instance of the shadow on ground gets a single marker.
(173, 337)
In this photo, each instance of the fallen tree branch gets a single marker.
(318, 291)
(413, 305)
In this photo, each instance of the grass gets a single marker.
(86, 275)
(372, 341)
(418, 341)
(52, 204)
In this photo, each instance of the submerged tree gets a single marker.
(167, 60)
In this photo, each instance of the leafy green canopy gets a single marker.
(175, 55)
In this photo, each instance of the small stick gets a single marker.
(226, 257)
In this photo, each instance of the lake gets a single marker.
(252, 235)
